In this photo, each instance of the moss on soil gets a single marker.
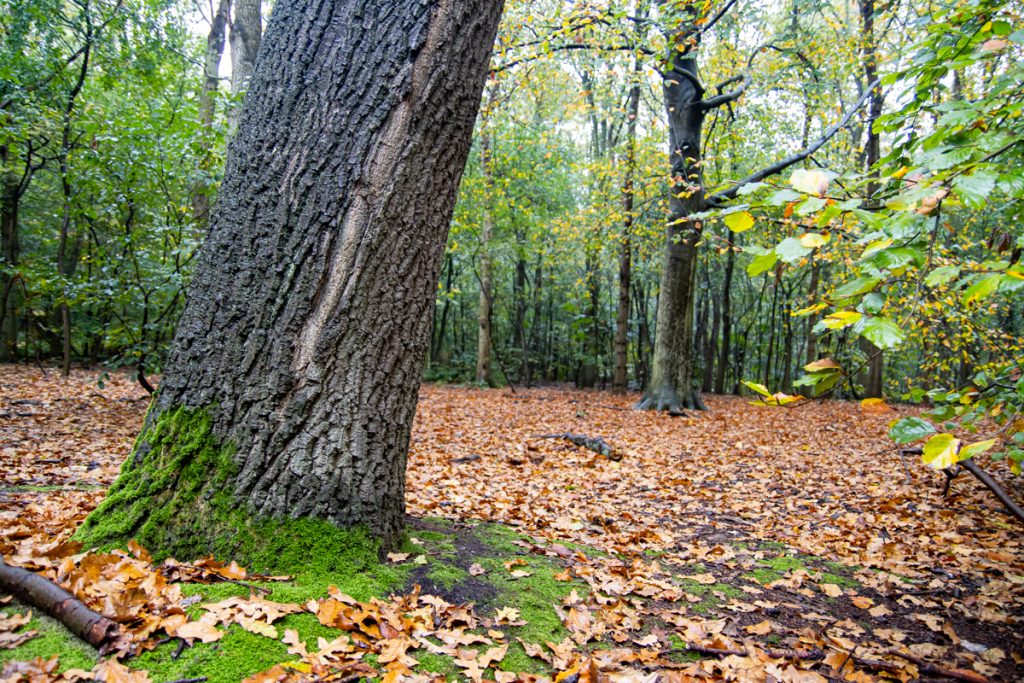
(319, 555)
(53, 639)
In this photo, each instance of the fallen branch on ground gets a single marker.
(596, 444)
(984, 477)
(933, 670)
(804, 655)
(33, 590)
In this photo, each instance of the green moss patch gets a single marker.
(53, 639)
(173, 493)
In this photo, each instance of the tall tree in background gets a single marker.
(215, 41)
(246, 32)
(672, 376)
(293, 378)
(872, 155)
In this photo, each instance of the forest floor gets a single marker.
(743, 543)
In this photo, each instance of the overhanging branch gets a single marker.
(718, 198)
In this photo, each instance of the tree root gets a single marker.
(35, 591)
(668, 401)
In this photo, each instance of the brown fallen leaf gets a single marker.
(198, 630)
(762, 628)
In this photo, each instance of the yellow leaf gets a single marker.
(812, 240)
(840, 319)
(741, 221)
(940, 451)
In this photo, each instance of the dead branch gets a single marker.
(984, 477)
(35, 591)
(803, 655)
(596, 444)
(718, 198)
(933, 670)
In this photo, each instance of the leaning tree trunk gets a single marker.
(292, 381)
(672, 381)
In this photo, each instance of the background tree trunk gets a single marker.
(215, 40)
(246, 32)
(307, 322)
(872, 153)
(484, 373)
(620, 376)
(672, 382)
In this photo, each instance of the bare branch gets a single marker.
(779, 166)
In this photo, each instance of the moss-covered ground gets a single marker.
(461, 562)
(319, 556)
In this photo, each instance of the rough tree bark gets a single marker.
(294, 372)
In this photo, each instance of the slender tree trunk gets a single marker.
(65, 182)
(812, 298)
(588, 371)
(711, 346)
(724, 349)
(484, 373)
(537, 322)
(10, 245)
(872, 154)
(215, 40)
(767, 379)
(246, 32)
(620, 376)
(440, 329)
(292, 381)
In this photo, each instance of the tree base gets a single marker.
(670, 401)
(175, 497)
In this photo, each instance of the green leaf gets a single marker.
(739, 222)
(982, 288)
(883, 333)
(910, 429)
(861, 285)
(749, 188)
(762, 264)
(940, 451)
(759, 388)
(791, 250)
(941, 276)
(974, 189)
(975, 449)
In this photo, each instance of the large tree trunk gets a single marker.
(672, 382)
(292, 381)
(246, 32)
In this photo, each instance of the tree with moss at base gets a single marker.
(292, 382)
